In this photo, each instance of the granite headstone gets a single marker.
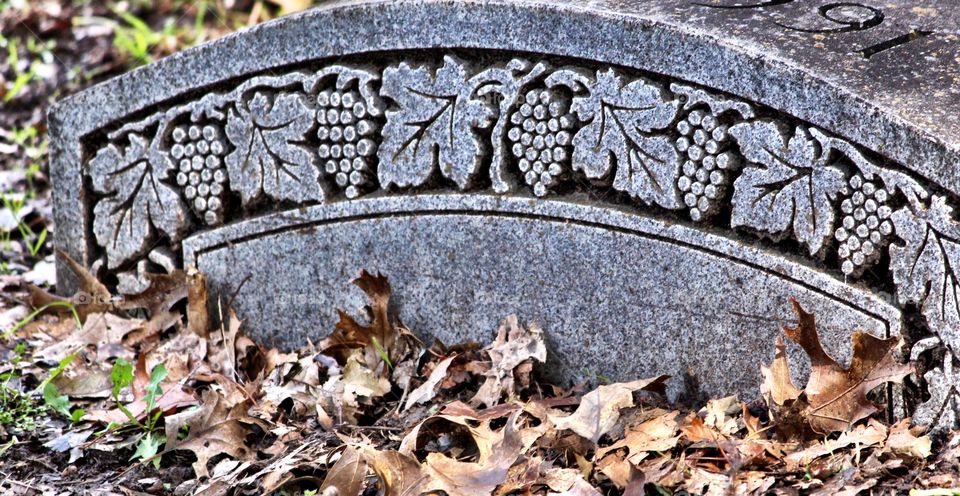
(649, 179)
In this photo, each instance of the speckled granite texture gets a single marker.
(650, 180)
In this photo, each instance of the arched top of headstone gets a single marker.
(883, 74)
(776, 146)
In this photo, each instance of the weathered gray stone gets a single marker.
(648, 179)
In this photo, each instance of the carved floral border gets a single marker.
(344, 131)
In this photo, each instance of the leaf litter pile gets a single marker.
(142, 395)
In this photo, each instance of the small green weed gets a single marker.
(51, 395)
(18, 411)
(36, 313)
(34, 242)
(150, 438)
(21, 78)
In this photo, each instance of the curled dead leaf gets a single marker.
(217, 427)
(513, 346)
(426, 391)
(908, 441)
(346, 476)
(399, 474)
(834, 398)
(655, 435)
(599, 409)
(385, 340)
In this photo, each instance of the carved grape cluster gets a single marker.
(705, 178)
(346, 145)
(866, 227)
(540, 133)
(198, 151)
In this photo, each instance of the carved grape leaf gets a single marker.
(433, 125)
(788, 183)
(270, 157)
(718, 105)
(124, 223)
(943, 407)
(925, 268)
(622, 116)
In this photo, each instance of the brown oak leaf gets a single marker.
(384, 337)
(217, 427)
(599, 409)
(346, 477)
(834, 398)
(655, 435)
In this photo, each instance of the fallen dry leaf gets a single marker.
(698, 480)
(720, 414)
(481, 477)
(216, 428)
(616, 468)
(568, 482)
(346, 476)
(844, 484)
(871, 434)
(222, 438)
(222, 354)
(522, 476)
(181, 355)
(360, 381)
(513, 346)
(84, 380)
(278, 422)
(903, 440)
(103, 330)
(298, 379)
(173, 398)
(599, 409)
(384, 337)
(198, 315)
(91, 297)
(399, 474)
(426, 391)
(656, 434)
(834, 398)
(163, 292)
(696, 431)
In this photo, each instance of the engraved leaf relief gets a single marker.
(138, 203)
(943, 385)
(789, 185)
(623, 115)
(433, 126)
(943, 407)
(270, 156)
(925, 268)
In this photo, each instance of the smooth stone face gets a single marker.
(611, 296)
(647, 178)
